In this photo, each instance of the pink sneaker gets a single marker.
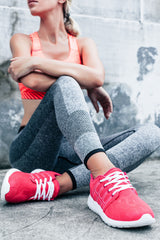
(115, 200)
(18, 186)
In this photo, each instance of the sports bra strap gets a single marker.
(36, 45)
(73, 43)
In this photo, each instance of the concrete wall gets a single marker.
(127, 34)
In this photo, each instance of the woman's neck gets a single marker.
(52, 26)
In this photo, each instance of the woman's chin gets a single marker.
(34, 13)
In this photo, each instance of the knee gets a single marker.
(67, 81)
(151, 133)
(64, 84)
(153, 129)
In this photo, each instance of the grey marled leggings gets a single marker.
(60, 136)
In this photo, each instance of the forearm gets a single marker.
(86, 76)
(38, 81)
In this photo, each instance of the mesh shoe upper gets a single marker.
(31, 186)
(117, 197)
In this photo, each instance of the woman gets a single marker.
(52, 66)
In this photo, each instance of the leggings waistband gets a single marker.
(21, 128)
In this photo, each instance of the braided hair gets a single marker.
(70, 24)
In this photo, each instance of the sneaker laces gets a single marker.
(120, 181)
(39, 194)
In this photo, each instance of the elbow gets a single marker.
(99, 80)
(30, 82)
(33, 84)
(99, 83)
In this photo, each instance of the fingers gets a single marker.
(13, 59)
(111, 106)
(12, 74)
(95, 104)
(9, 70)
(107, 109)
(107, 115)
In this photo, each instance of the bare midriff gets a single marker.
(30, 106)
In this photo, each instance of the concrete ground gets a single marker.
(68, 217)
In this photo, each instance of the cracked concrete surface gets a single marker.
(68, 217)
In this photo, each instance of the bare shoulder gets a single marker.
(19, 38)
(85, 41)
(20, 45)
(86, 44)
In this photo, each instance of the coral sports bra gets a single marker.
(73, 57)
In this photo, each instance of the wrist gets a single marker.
(36, 64)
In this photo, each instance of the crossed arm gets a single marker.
(40, 73)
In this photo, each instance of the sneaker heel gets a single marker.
(5, 184)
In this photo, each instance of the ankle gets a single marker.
(101, 171)
(99, 164)
(65, 183)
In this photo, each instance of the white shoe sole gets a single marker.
(5, 185)
(37, 170)
(145, 220)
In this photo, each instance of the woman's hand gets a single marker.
(100, 95)
(20, 66)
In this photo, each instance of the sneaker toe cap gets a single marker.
(128, 207)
